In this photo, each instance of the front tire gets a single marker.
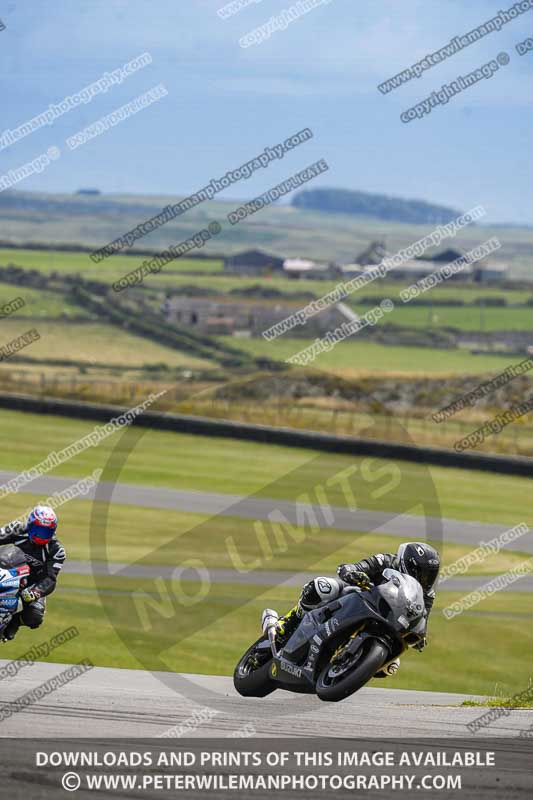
(333, 689)
(250, 681)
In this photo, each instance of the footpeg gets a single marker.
(388, 670)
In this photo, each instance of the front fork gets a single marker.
(269, 621)
(358, 638)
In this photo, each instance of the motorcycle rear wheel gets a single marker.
(253, 682)
(373, 658)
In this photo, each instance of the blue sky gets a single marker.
(225, 104)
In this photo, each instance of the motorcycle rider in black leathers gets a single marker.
(417, 559)
(45, 556)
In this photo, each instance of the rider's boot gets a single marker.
(388, 670)
(288, 623)
(11, 630)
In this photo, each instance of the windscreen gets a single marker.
(403, 594)
(11, 556)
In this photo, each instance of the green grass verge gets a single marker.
(246, 468)
(48, 261)
(500, 702)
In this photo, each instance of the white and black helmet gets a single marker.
(421, 561)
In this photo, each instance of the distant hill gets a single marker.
(378, 206)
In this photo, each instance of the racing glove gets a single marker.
(421, 644)
(349, 574)
(30, 595)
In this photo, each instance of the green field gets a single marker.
(39, 303)
(109, 270)
(466, 318)
(94, 342)
(354, 356)
(246, 468)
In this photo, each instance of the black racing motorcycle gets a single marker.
(338, 647)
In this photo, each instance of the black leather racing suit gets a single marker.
(321, 590)
(374, 566)
(45, 563)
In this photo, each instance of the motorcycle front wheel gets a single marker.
(339, 680)
(251, 679)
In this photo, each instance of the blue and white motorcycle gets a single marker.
(14, 572)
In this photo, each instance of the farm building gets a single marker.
(220, 317)
(415, 269)
(491, 273)
(444, 257)
(253, 262)
(305, 268)
(372, 255)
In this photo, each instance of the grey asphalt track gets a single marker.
(464, 583)
(130, 703)
(211, 503)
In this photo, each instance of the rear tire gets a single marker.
(253, 682)
(327, 688)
